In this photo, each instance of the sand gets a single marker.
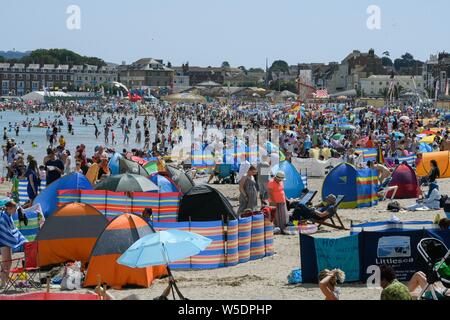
(266, 279)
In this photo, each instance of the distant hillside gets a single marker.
(54, 56)
(14, 54)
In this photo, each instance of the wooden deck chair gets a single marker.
(305, 200)
(332, 223)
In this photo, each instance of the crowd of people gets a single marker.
(314, 131)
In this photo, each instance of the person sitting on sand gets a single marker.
(419, 280)
(327, 283)
(432, 202)
(320, 212)
(392, 288)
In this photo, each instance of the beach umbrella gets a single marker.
(404, 118)
(347, 127)
(185, 97)
(338, 136)
(127, 183)
(429, 139)
(399, 135)
(181, 179)
(163, 248)
(424, 148)
(128, 166)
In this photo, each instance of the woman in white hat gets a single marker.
(277, 198)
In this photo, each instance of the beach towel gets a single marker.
(10, 236)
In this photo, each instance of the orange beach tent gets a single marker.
(443, 160)
(117, 237)
(69, 234)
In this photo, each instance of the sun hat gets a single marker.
(280, 175)
(331, 198)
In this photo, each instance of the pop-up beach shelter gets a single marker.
(165, 184)
(204, 203)
(443, 160)
(181, 179)
(293, 186)
(69, 234)
(358, 186)
(48, 198)
(405, 179)
(116, 238)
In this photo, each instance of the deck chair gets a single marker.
(26, 273)
(225, 172)
(305, 200)
(332, 223)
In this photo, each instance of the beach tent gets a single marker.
(405, 178)
(443, 160)
(115, 239)
(114, 163)
(128, 166)
(69, 234)
(204, 203)
(165, 184)
(425, 148)
(48, 199)
(181, 179)
(358, 186)
(293, 186)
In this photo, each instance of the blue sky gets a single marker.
(243, 32)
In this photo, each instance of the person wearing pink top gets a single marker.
(277, 199)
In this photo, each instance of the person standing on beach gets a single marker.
(10, 238)
(54, 167)
(126, 137)
(106, 133)
(277, 198)
(248, 193)
(33, 178)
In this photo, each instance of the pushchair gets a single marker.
(436, 254)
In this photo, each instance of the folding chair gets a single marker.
(26, 269)
(332, 223)
(305, 200)
(225, 172)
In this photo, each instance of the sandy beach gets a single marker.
(266, 279)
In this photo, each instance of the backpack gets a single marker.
(394, 206)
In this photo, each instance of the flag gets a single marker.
(299, 116)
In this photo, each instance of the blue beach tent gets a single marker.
(48, 198)
(358, 186)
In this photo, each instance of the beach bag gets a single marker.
(295, 277)
(72, 277)
(394, 206)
